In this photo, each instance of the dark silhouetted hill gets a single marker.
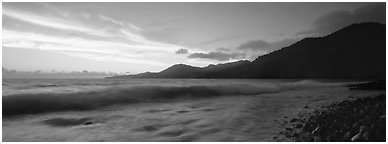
(355, 52)
(187, 71)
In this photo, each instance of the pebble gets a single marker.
(360, 119)
(293, 120)
(347, 136)
(88, 123)
(298, 125)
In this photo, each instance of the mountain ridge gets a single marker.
(355, 51)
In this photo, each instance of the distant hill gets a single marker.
(356, 52)
(187, 71)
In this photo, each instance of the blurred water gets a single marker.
(211, 110)
(29, 86)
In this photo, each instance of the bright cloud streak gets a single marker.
(117, 58)
(44, 21)
(102, 50)
(80, 47)
(94, 54)
(70, 25)
(119, 22)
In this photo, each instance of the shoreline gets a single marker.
(228, 118)
(350, 120)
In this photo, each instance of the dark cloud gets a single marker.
(338, 19)
(255, 45)
(182, 51)
(220, 56)
(219, 39)
(264, 46)
(324, 25)
(222, 49)
(166, 35)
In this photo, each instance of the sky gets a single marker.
(140, 37)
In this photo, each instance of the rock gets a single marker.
(288, 136)
(316, 130)
(360, 135)
(306, 106)
(366, 136)
(328, 139)
(357, 138)
(347, 136)
(351, 120)
(293, 120)
(150, 128)
(356, 124)
(317, 139)
(298, 125)
(88, 123)
(305, 127)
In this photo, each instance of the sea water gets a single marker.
(157, 109)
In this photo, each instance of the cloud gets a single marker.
(14, 37)
(322, 26)
(336, 20)
(218, 39)
(223, 49)
(219, 56)
(182, 51)
(81, 35)
(44, 21)
(264, 46)
(113, 57)
(102, 17)
(167, 35)
(95, 50)
(255, 45)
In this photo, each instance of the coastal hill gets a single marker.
(356, 52)
(187, 71)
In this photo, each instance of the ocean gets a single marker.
(158, 109)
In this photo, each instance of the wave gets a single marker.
(33, 85)
(49, 102)
(62, 122)
(29, 86)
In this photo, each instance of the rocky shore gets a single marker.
(351, 120)
(373, 85)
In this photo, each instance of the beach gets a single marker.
(257, 112)
(355, 119)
